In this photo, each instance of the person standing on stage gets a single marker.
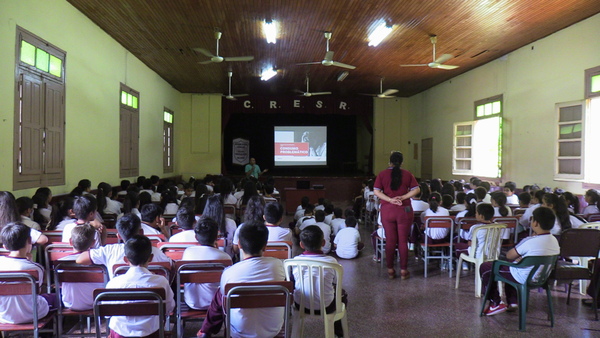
(253, 170)
(395, 187)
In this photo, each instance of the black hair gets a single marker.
(593, 195)
(448, 189)
(150, 212)
(207, 231)
(424, 191)
(167, 196)
(104, 190)
(138, 250)
(545, 217)
(304, 202)
(458, 186)
(460, 197)
(125, 184)
(128, 226)
(351, 222)
(61, 211)
(396, 159)
(434, 201)
(214, 210)
(140, 181)
(447, 201)
(249, 191)
(144, 198)
(486, 185)
(500, 199)
(436, 185)
(186, 218)
(225, 187)
(147, 185)
(480, 193)
(512, 186)
(255, 209)
(188, 202)
(337, 212)
(486, 210)
(539, 195)
(154, 179)
(273, 212)
(572, 201)
(349, 212)
(319, 215)
(253, 238)
(525, 198)
(471, 200)
(84, 206)
(312, 237)
(24, 203)
(328, 208)
(131, 201)
(310, 209)
(559, 205)
(14, 236)
(475, 182)
(83, 237)
(40, 200)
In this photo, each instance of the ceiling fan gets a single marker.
(437, 63)
(387, 94)
(230, 96)
(328, 60)
(307, 93)
(218, 59)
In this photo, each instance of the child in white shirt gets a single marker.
(436, 235)
(592, 198)
(84, 208)
(347, 242)
(337, 222)
(186, 219)
(25, 205)
(319, 218)
(273, 216)
(509, 191)
(484, 214)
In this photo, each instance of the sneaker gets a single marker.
(495, 309)
(376, 259)
(201, 334)
(513, 307)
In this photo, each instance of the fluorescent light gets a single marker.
(267, 74)
(380, 33)
(270, 30)
(342, 75)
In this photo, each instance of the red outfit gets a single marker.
(396, 219)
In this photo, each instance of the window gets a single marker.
(478, 144)
(39, 132)
(168, 140)
(129, 131)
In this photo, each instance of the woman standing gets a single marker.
(395, 187)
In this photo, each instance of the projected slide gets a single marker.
(296, 146)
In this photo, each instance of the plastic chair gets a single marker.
(194, 272)
(491, 251)
(444, 251)
(511, 229)
(577, 243)
(129, 302)
(591, 225)
(543, 263)
(24, 282)
(279, 249)
(258, 295)
(175, 250)
(313, 270)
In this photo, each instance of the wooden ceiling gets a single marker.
(163, 33)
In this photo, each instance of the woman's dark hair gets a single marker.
(40, 201)
(593, 195)
(434, 201)
(249, 191)
(214, 210)
(436, 185)
(104, 190)
(9, 212)
(424, 191)
(572, 201)
(447, 201)
(61, 211)
(254, 209)
(458, 186)
(225, 187)
(471, 200)
(396, 160)
(81, 187)
(559, 205)
(448, 189)
(167, 197)
(500, 198)
(131, 201)
(144, 198)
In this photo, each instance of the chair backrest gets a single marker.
(491, 244)
(52, 253)
(70, 272)
(175, 250)
(580, 242)
(197, 271)
(593, 217)
(112, 236)
(465, 223)
(23, 282)
(155, 239)
(280, 249)
(545, 265)
(157, 268)
(591, 225)
(311, 272)
(439, 222)
(519, 211)
(53, 236)
(229, 209)
(109, 220)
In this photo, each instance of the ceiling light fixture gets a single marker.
(343, 75)
(270, 31)
(383, 30)
(267, 74)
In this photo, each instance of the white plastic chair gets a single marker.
(490, 251)
(313, 270)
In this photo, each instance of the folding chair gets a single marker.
(70, 272)
(544, 264)
(155, 239)
(490, 252)
(258, 295)
(443, 251)
(194, 272)
(380, 246)
(24, 283)
(312, 271)
(175, 250)
(279, 249)
(52, 254)
(129, 302)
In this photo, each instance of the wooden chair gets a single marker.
(24, 283)
(312, 271)
(544, 264)
(490, 251)
(70, 272)
(130, 302)
(443, 251)
(175, 250)
(257, 295)
(194, 272)
(279, 249)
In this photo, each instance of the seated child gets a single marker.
(307, 219)
(186, 219)
(312, 240)
(273, 216)
(304, 202)
(319, 221)
(263, 322)
(337, 221)
(484, 214)
(198, 296)
(328, 212)
(79, 296)
(25, 205)
(347, 242)
(436, 235)
(460, 202)
(152, 222)
(509, 191)
(138, 253)
(592, 198)
(15, 237)
(536, 202)
(109, 255)
(541, 244)
(84, 208)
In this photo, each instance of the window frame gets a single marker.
(129, 146)
(565, 176)
(168, 139)
(456, 148)
(589, 74)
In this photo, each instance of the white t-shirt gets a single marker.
(591, 209)
(539, 245)
(112, 254)
(149, 230)
(138, 326)
(277, 233)
(337, 224)
(575, 223)
(19, 309)
(513, 199)
(66, 235)
(299, 213)
(328, 218)
(458, 207)
(30, 223)
(199, 296)
(262, 322)
(63, 223)
(329, 277)
(525, 218)
(113, 207)
(347, 241)
(436, 233)
(171, 209)
(185, 236)
(78, 296)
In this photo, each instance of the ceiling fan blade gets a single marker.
(321, 93)
(444, 58)
(329, 56)
(298, 91)
(389, 92)
(240, 95)
(205, 62)
(343, 65)
(366, 94)
(239, 58)
(308, 63)
(446, 67)
(204, 51)
(415, 65)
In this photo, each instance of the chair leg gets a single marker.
(522, 294)
(569, 293)
(345, 326)
(550, 307)
(460, 261)
(329, 326)
(298, 324)
(477, 281)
